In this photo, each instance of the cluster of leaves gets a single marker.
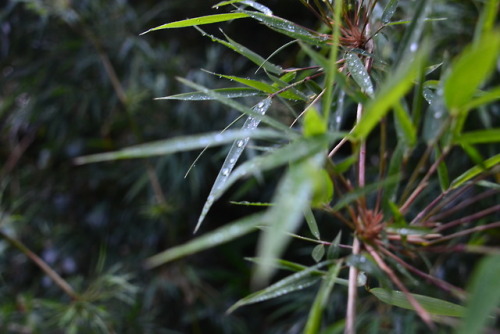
(386, 139)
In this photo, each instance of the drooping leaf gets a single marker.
(311, 223)
(199, 21)
(180, 144)
(232, 157)
(214, 238)
(404, 126)
(431, 305)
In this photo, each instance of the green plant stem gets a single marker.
(58, 280)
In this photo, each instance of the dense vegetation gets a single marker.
(359, 191)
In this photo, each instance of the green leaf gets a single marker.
(229, 93)
(297, 281)
(232, 157)
(475, 171)
(405, 128)
(484, 296)
(483, 98)
(322, 189)
(334, 249)
(199, 21)
(469, 71)
(389, 11)
(479, 137)
(245, 52)
(393, 89)
(240, 107)
(314, 320)
(179, 144)
(314, 124)
(290, 153)
(286, 27)
(488, 19)
(312, 224)
(250, 3)
(291, 199)
(262, 86)
(214, 238)
(359, 73)
(442, 170)
(318, 252)
(432, 305)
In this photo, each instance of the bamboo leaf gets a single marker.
(469, 71)
(404, 125)
(393, 89)
(314, 319)
(475, 171)
(214, 238)
(261, 86)
(359, 73)
(484, 296)
(180, 144)
(252, 4)
(318, 252)
(483, 98)
(199, 21)
(230, 93)
(389, 11)
(312, 224)
(245, 52)
(286, 27)
(232, 157)
(291, 199)
(479, 137)
(300, 280)
(432, 305)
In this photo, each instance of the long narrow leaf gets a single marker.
(174, 145)
(232, 157)
(199, 21)
(389, 94)
(214, 238)
(484, 295)
(314, 319)
(475, 171)
(431, 305)
(230, 93)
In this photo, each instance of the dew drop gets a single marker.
(225, 172)
(239, 143)
(413, 47)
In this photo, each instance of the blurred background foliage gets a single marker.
(76, 78)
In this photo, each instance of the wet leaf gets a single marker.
(318, 252)
(232, 157)
(431, 305)
(179, 144)
(214, 238)
(230, 93)
(475, 171)
(359, 73)
(389, 11)
(199, 21)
